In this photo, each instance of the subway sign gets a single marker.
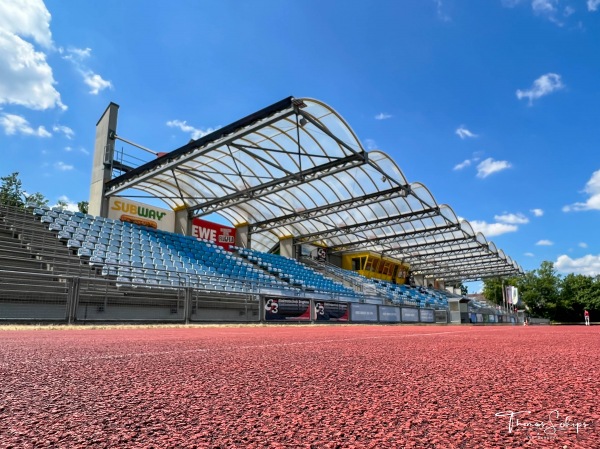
(141, 214)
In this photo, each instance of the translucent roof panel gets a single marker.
(297, 169)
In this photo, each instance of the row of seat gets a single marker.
(144, 256)
(295, 272)
(400, 294)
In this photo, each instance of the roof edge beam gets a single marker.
(222, 136)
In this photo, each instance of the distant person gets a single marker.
(586, 316)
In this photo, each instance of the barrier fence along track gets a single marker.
(41, 280)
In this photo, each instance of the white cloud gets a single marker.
(512, 218)
(196, 133)
(463, 133)
(569, 11)
(15, 124)
(382, 116)
(26, 18)
(529, 254)
(70, 204)
(68, 132)
(582, 245)
(588, 265)
(504, 223)
(84, 151)
(545, 242)
(75, 54)
(440, 11)
(27, 79)
(593, 5)
(63, 167)
(544, 7)
(370, 144)
(492, 229)
(549, 9)
(466, 162)
(592, 188)
(462, 165)
(537, 212)
(94, 81)
(544, 85)
(489, 166)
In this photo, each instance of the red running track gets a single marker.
(301, 387)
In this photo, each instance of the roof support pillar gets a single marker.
(104, 149)
(286, 247)
(183, 222)
(242, 236)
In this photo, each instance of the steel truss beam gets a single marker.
(403, 254)
(279, 184)
(491, 264)
(378, 224)
(367, 243)
(327, 209)
(426, 260)
(477, 275)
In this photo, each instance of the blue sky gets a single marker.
(493, 105)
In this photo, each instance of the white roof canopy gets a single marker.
(296, 169)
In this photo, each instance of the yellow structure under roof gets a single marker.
(375, 266)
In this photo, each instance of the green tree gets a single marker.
(36, 200)
(548, 295)
(492, 290)
(62, 203)
(83, 207)
(11, 190)
(539, 290)
(579, 292)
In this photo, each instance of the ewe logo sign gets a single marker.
(141, 214)
(224, 236)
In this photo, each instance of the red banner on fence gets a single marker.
(224, 236)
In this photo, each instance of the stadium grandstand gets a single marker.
(318, 229)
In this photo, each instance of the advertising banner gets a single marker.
(141, 214)
(331, 311)
(410, 315)
(322, 254)
(363, 312)
(287, 309)
(389, 314)
(224, 236)
(441, 316)
(426, 316)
